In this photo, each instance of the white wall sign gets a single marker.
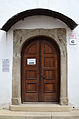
(72, 36)
(5, 65)
(72, 39)
(31, 61)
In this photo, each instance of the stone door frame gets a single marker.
(20, 36)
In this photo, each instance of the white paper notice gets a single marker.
(31, 61)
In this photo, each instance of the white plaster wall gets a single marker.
(9, 8)
(73, 70)
(5, 77)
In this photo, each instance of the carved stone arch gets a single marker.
(23, 35)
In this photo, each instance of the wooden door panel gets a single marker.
(50, 74)
(30, 72)
(40, 81)
(30, 97)
(47, 49)
(32, 49)
(31, 87)
(49, 64)
(50, 97)
(49, 87)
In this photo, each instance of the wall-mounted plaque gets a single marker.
(73, 42)
(31, 61)
(5, 65)
(72, 39)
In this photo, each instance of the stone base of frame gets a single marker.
(64, 101)
(16, 101)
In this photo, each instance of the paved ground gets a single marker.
(6, 114)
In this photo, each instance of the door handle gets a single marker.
(42, 77)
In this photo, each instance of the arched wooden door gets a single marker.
(40, 71)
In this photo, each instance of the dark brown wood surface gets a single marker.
(40, 81)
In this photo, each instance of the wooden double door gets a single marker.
(40, 71)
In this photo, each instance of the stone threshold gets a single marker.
(40, 108)
(7, 114)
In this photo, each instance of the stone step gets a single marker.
(7, 114)
(40, 108)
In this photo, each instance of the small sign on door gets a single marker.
(31, 61)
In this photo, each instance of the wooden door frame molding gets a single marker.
(20, 36)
